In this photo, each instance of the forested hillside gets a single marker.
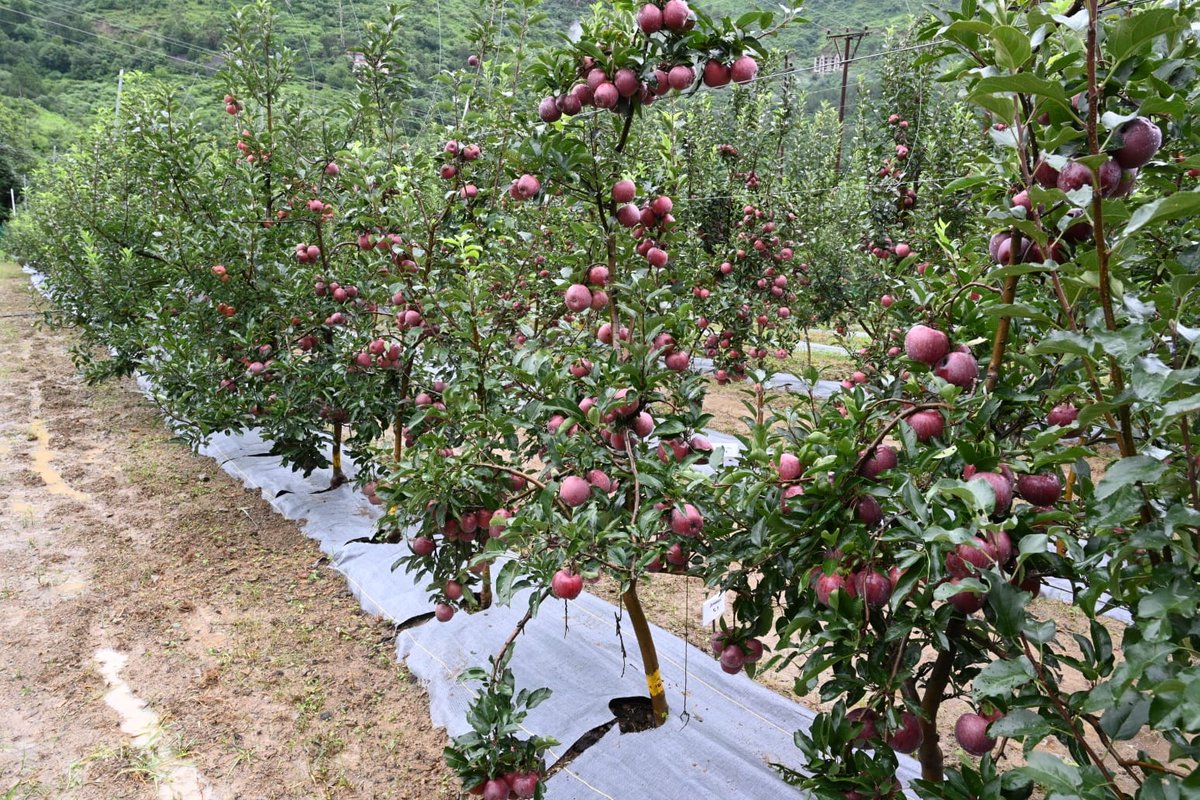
(59, 59)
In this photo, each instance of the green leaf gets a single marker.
(537, 697)
(1127, 718)
(1018, 269)
(1132, 33)
(1126, 343)
(1023, 83)
(1062, 342)
(967, 183)
(1018, 311)
(1049, 771)
(1127, 471)
(1008, 603)
(1176, 206)
(978, 494)
(1020, 722)
(506, 581)
(1000, 678)
(1185, 405)
(1012, 47)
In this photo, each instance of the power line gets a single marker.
(112, 41)
(116, 43)
(307, 53)
(131, 29)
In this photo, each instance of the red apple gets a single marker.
(827, 585)
(566, 585)
(676, 15)
(867, 718)
(968, 601)
(626, 81)
(732, 659)
(650, 18)
(1073, 176)
(1001, 487)
(959, 369)
(1140, 141)
(925, 344)
(789, 467)
(908, 736)
(875, 588)
(574, 491)
(716, 74)
(744, 69)
(681, 76)
(578, 297)
(1062, 414)
(687, 522)
(971, 733)
(927, 424)
(548, 110)
(496, 789)
(884, 458)
(1040, 490)
(868, 510)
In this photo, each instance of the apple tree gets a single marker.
(1039, 427)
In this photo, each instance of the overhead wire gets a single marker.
(111, 41)
(131, 29)
(307, 53)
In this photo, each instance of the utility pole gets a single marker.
(120, 85)
(341, 25)
(846, 38)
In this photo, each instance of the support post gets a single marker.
(847, 56)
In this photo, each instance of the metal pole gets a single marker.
(120, 85)
(846, 37)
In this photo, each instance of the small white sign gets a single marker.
(713, 608)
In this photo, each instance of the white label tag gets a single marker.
(712, 609)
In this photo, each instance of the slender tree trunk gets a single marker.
(654, 684)
(339, 477)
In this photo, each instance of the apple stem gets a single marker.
(645, 640)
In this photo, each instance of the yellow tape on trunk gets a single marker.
(654, 683)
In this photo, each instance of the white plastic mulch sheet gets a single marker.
(734, 728)
(780, 380)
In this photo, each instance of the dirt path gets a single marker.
(131, 571)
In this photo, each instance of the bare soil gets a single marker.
(259, 667)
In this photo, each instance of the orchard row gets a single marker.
(499, 319)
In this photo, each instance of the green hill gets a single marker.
(59, 59)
